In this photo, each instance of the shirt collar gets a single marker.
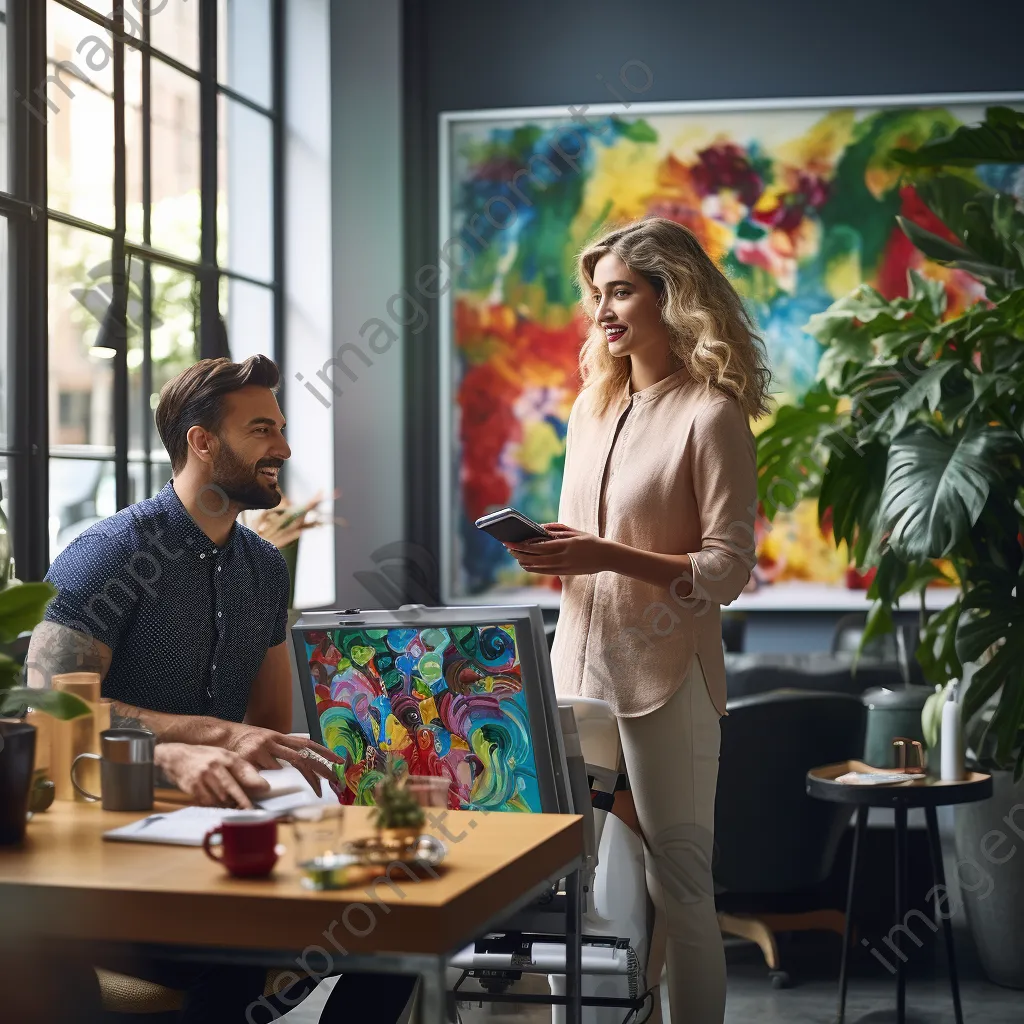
(663, 386)
(187, 528)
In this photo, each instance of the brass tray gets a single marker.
(426, 852)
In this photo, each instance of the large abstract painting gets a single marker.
(446, 702)
(796, 201)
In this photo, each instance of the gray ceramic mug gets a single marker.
(126, 770)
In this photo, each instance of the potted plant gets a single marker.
(21, 607)
(284, 525)
(398, 816)
(912, 441)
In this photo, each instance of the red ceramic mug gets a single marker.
(248, 844)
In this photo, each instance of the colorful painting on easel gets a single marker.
(446, 702)
(798, 206)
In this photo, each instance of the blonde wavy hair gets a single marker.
(712, 334)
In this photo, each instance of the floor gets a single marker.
(813, 963)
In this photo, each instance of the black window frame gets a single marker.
(25, 208)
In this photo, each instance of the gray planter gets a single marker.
(17, 755)
(988, 833)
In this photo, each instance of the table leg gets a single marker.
(901, 910)
(433, 992)
(574, 948)
(858, 835)
(939, 875)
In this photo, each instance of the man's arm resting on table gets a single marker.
(55, 649)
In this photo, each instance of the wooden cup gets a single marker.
(77, 736)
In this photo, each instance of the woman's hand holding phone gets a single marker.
(568, 552)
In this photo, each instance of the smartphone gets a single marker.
(511, 527)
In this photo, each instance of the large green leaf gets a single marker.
(998, 220)
(22, 606)
(936, 653)
(928, 293)
(992, 628)
(872, 392)
(934, 246)
(931, 717)
(56, 703)
(936, 487)
(847, 351)
(924, 393)
(947, 195)
(787, 465)
(864, 308)
(1000, 139)
(879, 623)
(850, 489)
(989, 266)
(893, 579)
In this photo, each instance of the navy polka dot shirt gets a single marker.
(189, 623)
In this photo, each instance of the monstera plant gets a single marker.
(912, 440)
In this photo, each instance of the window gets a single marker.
(156, 128)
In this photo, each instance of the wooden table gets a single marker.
(918, 791)
(67, 882)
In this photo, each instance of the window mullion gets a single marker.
(210, 344)
(278, 72)
(26, 54)
(147, 274)
(119, 277)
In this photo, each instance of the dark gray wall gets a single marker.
(475, 54)
(539, 52)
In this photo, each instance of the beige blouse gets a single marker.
(669, 469)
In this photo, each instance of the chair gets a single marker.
(734, 629)
(898, 646)
(126, 997)
(773, 844)
(750, 674)
(616, 926)
(617, 902)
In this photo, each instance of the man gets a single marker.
(181, 610)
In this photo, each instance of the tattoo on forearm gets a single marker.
(55, 649)
(124, 716)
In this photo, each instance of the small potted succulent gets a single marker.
(398, 816)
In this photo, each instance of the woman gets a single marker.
(656, 532)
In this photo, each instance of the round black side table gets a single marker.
(918, 791)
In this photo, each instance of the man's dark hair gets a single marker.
(195, 398)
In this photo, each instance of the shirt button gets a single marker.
(219, 614)
(213, 668)
(202, 554)
(219, 568)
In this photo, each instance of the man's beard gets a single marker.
(243, 483)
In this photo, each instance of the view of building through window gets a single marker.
(101, 390)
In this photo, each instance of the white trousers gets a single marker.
(671, 758)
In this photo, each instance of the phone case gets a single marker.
(512, 530)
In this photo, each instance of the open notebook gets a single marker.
(188, 825)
